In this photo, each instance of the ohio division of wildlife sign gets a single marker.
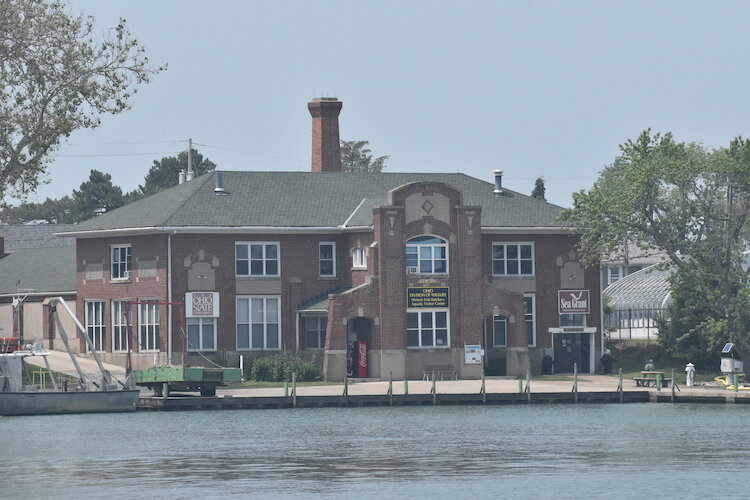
(418, 296)
(573, 302)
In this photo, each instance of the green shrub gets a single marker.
(279, 368)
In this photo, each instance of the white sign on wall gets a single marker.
(473, 354)
(202, 304)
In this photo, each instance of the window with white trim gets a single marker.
(258, 323)
(427, 255)
(201, 334)
(572, 320)
(122, 256)
(512, 259)
(529, 318)
(499, 331)
(119, 325)
(427, 328)
(327, 256)
(256, 259)
(359, 258)
(315, 332)
(613, 275)
(148, 327)
(95, 324)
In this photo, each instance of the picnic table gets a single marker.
(650, 378)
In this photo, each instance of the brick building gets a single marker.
(420, 267)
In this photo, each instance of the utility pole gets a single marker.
(190, 161)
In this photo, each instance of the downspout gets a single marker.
(169, 298)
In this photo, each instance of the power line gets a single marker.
(118, 154)
(123, 143)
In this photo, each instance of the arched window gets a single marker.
(427, 255)
(359, 258)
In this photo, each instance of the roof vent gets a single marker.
(498, 182)
(219, 188)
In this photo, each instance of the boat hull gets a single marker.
(48, 403)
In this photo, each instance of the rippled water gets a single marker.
(567, 451)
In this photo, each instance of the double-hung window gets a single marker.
(256, 259)
(427, 255)
(327, 253)
(119, 325)
(258, 323)
(315, 332)
(512, 259)
(95, 324)
(201, 334)
(499, 331)
(148, 327)
(529, 318)
(427, 328)
(122, 256)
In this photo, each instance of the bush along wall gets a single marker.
(279, 368)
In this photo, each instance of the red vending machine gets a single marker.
(361, 359)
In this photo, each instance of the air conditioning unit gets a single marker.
(412, 270)
(126, 275)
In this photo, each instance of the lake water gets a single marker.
(566, 451)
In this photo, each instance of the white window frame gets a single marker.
(264, 259)
(120, 269)
(119, 325)
(504, 321)
(201, 323)
(529, 318)
(505, 260)
(359, 258)
(332, 244)
(573, 320)
(411, 269)
(148, 326)
(96, 324)
(250, 321)
(320, 323)
(613, 274)
(420, 328)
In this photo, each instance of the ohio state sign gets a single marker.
(202, 304)
(573, 302)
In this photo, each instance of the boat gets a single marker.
(84, 395)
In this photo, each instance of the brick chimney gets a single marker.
(326, 148)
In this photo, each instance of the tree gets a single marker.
(539, 189)
(50, 211)
(356, 157)
(97, 195)
(692, 204)
(165, 172)
(54, 79)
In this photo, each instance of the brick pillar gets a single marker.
(326, 147)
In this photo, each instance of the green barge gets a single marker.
(165, 379)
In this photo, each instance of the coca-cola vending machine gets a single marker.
(361, 359)
(351, 359)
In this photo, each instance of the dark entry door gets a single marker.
(571, 348)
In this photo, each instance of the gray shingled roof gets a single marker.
(19, 236)
(43, 270)
(307, 199)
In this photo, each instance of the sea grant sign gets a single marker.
(573, 302)
(418, 296)
(202, 304)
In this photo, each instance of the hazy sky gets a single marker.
(536, 88)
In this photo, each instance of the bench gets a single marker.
(439, 372)
(651, 382)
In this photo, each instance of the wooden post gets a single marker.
(346, 391)
(528, 386)
(483, 391)
(619, 386)
(658, 381)
(673, 384)
(406, 386)
(575, 382)
(294, 389)
(390, 388)
(433, 391)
